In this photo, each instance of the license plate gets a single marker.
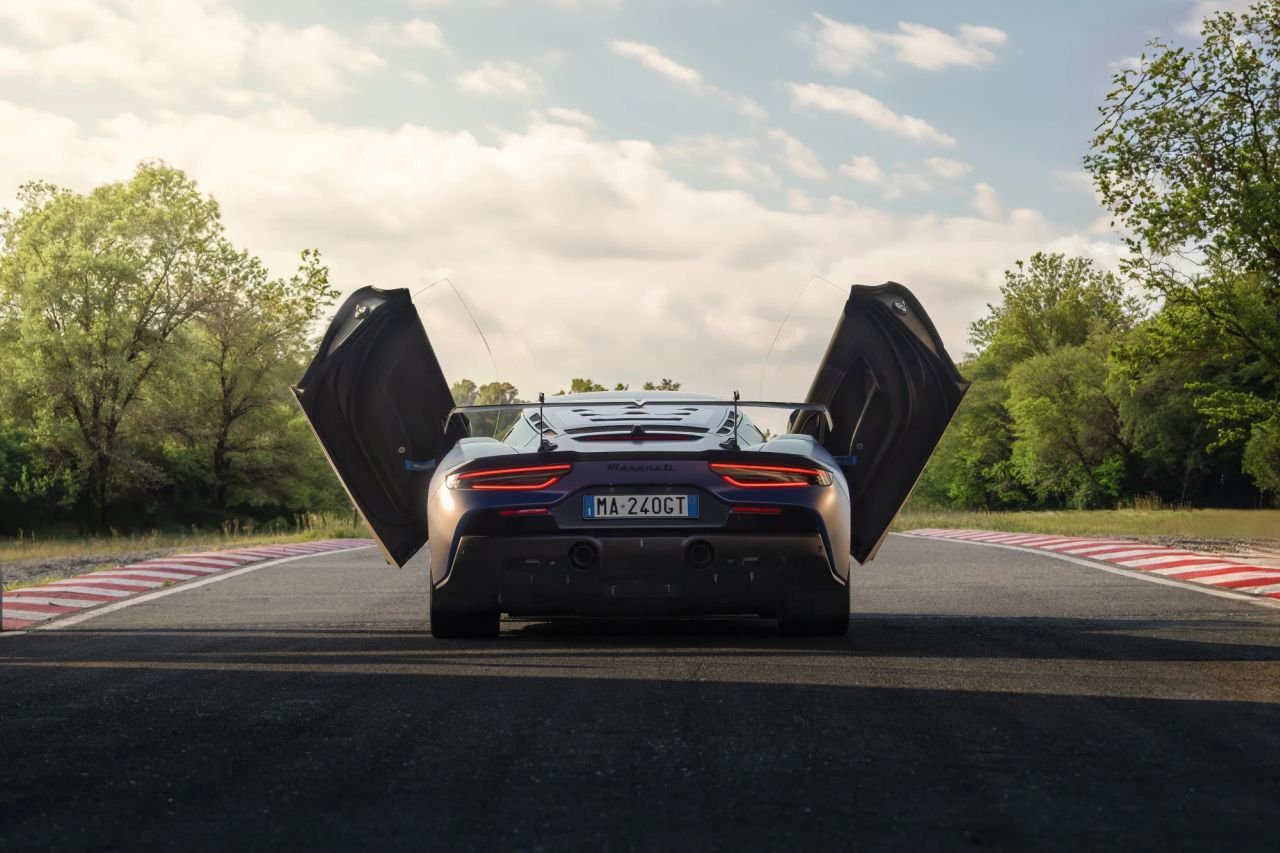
(639, 506)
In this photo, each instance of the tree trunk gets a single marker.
(221, 470)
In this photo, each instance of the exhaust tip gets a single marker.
(583, 555)
(699, 554)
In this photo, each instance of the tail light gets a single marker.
(639, 436)
(770, 476)
(526, 478)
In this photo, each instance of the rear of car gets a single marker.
(641, 509)
(624, 503)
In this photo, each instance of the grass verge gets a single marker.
(74, 551)
(1250, 524)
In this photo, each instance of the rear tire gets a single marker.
(449, 624)
(815, 614)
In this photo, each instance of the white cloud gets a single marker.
(655, 60)
(799, 158)
(644, 274)
(863, 169)
(414, 31)
(799, 201)
(1202, 9)
(986, 201)
(172, 50)
(1073, 179)
(733, 159)
(501, 78)
(571, 116)
(892, 184)
(840, 47)
(945, 168)
(859, 105)
(417, 78)
(312, 60)
(1127, 63)
(556, 4)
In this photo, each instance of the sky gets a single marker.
(617, 189)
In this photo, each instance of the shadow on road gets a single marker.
(870, 635)
(911, 733)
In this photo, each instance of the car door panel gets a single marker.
(891, 390)
(377, 400)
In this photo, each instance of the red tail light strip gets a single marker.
(526, 478)
(537, 510)
(648, 436)
(770, 476)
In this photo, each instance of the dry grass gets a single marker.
(1137, 523)
(306, 528)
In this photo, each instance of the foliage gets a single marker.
(467, 393)
(148, 361)
(1048, 302)
(1067, 431)
(97, 287)
(1187, 158)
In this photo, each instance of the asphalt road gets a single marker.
(983, 699)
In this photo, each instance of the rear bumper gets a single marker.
(638, 575)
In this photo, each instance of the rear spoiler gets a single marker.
(820, 408)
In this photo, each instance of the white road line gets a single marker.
(68, 621)
(147, 573)
(182, 567)
(94, 590)
(11, 613)
(1265, 590)
(1199, 567)
(1175, 557)
(93, 578)
(1235, 576)
(1127, 573)
(1080, 543)
(78, 603)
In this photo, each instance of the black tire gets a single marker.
(815, 614)
(447, 624)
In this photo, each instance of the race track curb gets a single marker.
(23, 608)
(1170, 563)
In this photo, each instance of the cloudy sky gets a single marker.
(622, 189)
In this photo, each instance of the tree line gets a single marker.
(1087, 392)
(146, 363)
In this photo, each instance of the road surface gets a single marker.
(984, 698)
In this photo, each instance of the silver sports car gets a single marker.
(632, 503)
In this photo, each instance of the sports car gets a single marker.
(632, 503)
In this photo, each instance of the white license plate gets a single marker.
(639, 506)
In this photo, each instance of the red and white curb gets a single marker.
(25, 607)
(1171, 563)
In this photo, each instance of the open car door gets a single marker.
(891, 390)
(377, 400)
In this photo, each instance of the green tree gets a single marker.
(664, 385)
(467, 393)
(1187, 158)
(96, 287)
(1047, 302)
(582, 386)
(1068, 440)
(229, 390)
(1012, 441)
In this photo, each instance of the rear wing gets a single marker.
(819, 408)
